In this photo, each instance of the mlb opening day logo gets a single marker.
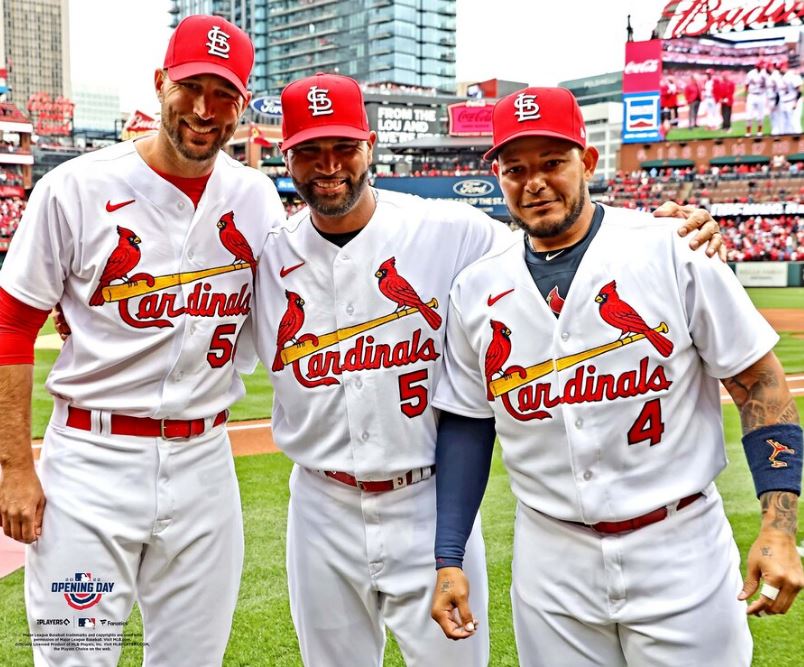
(641, 117)
(82, 591)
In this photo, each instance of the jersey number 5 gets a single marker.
(648, 425)
(412, 395)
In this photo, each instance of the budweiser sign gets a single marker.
(138, 125)
(699, 17)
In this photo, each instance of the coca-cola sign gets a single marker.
(699, 17)
(643, 66)
(470, 119)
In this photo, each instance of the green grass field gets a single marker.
(263, 633)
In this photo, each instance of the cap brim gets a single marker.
(491, 154)
(186, 70)
(322, 131)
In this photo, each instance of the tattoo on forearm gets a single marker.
(767, 551)
(446, 586)
(762, 398)
(783, 507)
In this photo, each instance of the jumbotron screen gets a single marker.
(726, 85)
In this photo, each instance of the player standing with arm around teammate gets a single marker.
(596, 356)
(147, 245)
(350, 320)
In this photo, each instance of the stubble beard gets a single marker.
(551, 230)
(354, 190)
(172, 126)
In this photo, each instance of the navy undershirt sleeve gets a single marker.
(463, 459)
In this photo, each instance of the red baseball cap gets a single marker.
(210, 45)
(324, 105)
(536, 112)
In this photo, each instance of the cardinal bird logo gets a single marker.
(234, 241)
(497, 352)
(289, 326)
(120, 263)
(555, 301)
(397, 289)
(620, 315)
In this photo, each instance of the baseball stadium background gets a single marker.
(430, 144)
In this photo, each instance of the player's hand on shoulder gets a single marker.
(60, 322)
(22, 503)
(450, 607)
(698, 220)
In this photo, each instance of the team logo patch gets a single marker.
(555, 300)
(320, 104)
(778, 448)
(82, 591)
(322, 365)
(218, 44)
(526, 107)
(154, 305)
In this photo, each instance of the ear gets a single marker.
(589, 157)
(160, 79)
(244, 102)
(370, 148)
(495, 168)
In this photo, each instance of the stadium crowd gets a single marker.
(11, 209)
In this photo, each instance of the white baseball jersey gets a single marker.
(356, 361)
(597, 423)
(155, 298)
(755, 82)
(790, 88)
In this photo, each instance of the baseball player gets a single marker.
(150, 247)
(350, 319)
(789, 93)
(755, 89)
(709, 100)
(773, 90)
(595, 352)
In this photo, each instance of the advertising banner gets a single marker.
(482, 192)
(470, 119)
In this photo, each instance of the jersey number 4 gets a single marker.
(648, 425)
(412, 393)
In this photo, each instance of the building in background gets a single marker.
(35, 49)
(397, 43)
(96, 108)
(599, 88)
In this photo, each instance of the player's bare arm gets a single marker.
(451, 604)
(22, 501)
(697, 220)
(765, 404)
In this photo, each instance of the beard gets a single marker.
(547, 230)
(333, 207)
(172, 126)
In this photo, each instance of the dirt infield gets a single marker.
(785, 319)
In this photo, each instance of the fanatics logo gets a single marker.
(218, 43)
(526, 107)
(320, 104)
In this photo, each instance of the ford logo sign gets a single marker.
(268, 106)
(473, 188)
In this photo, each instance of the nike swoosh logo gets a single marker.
(494, 299)
(113, 207)
(285, 271)
(548, 256)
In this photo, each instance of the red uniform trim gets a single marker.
(19, 325)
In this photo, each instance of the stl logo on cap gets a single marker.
(218, 43)
(320, 104)
(526, 107)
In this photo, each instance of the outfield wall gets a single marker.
(769, 274)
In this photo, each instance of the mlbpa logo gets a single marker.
(526, 107)
(218, 43)
(320, 104)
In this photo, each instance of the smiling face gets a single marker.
(330, 173)
(543, 180)
(199, 114)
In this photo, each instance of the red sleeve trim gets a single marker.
(19, 326)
